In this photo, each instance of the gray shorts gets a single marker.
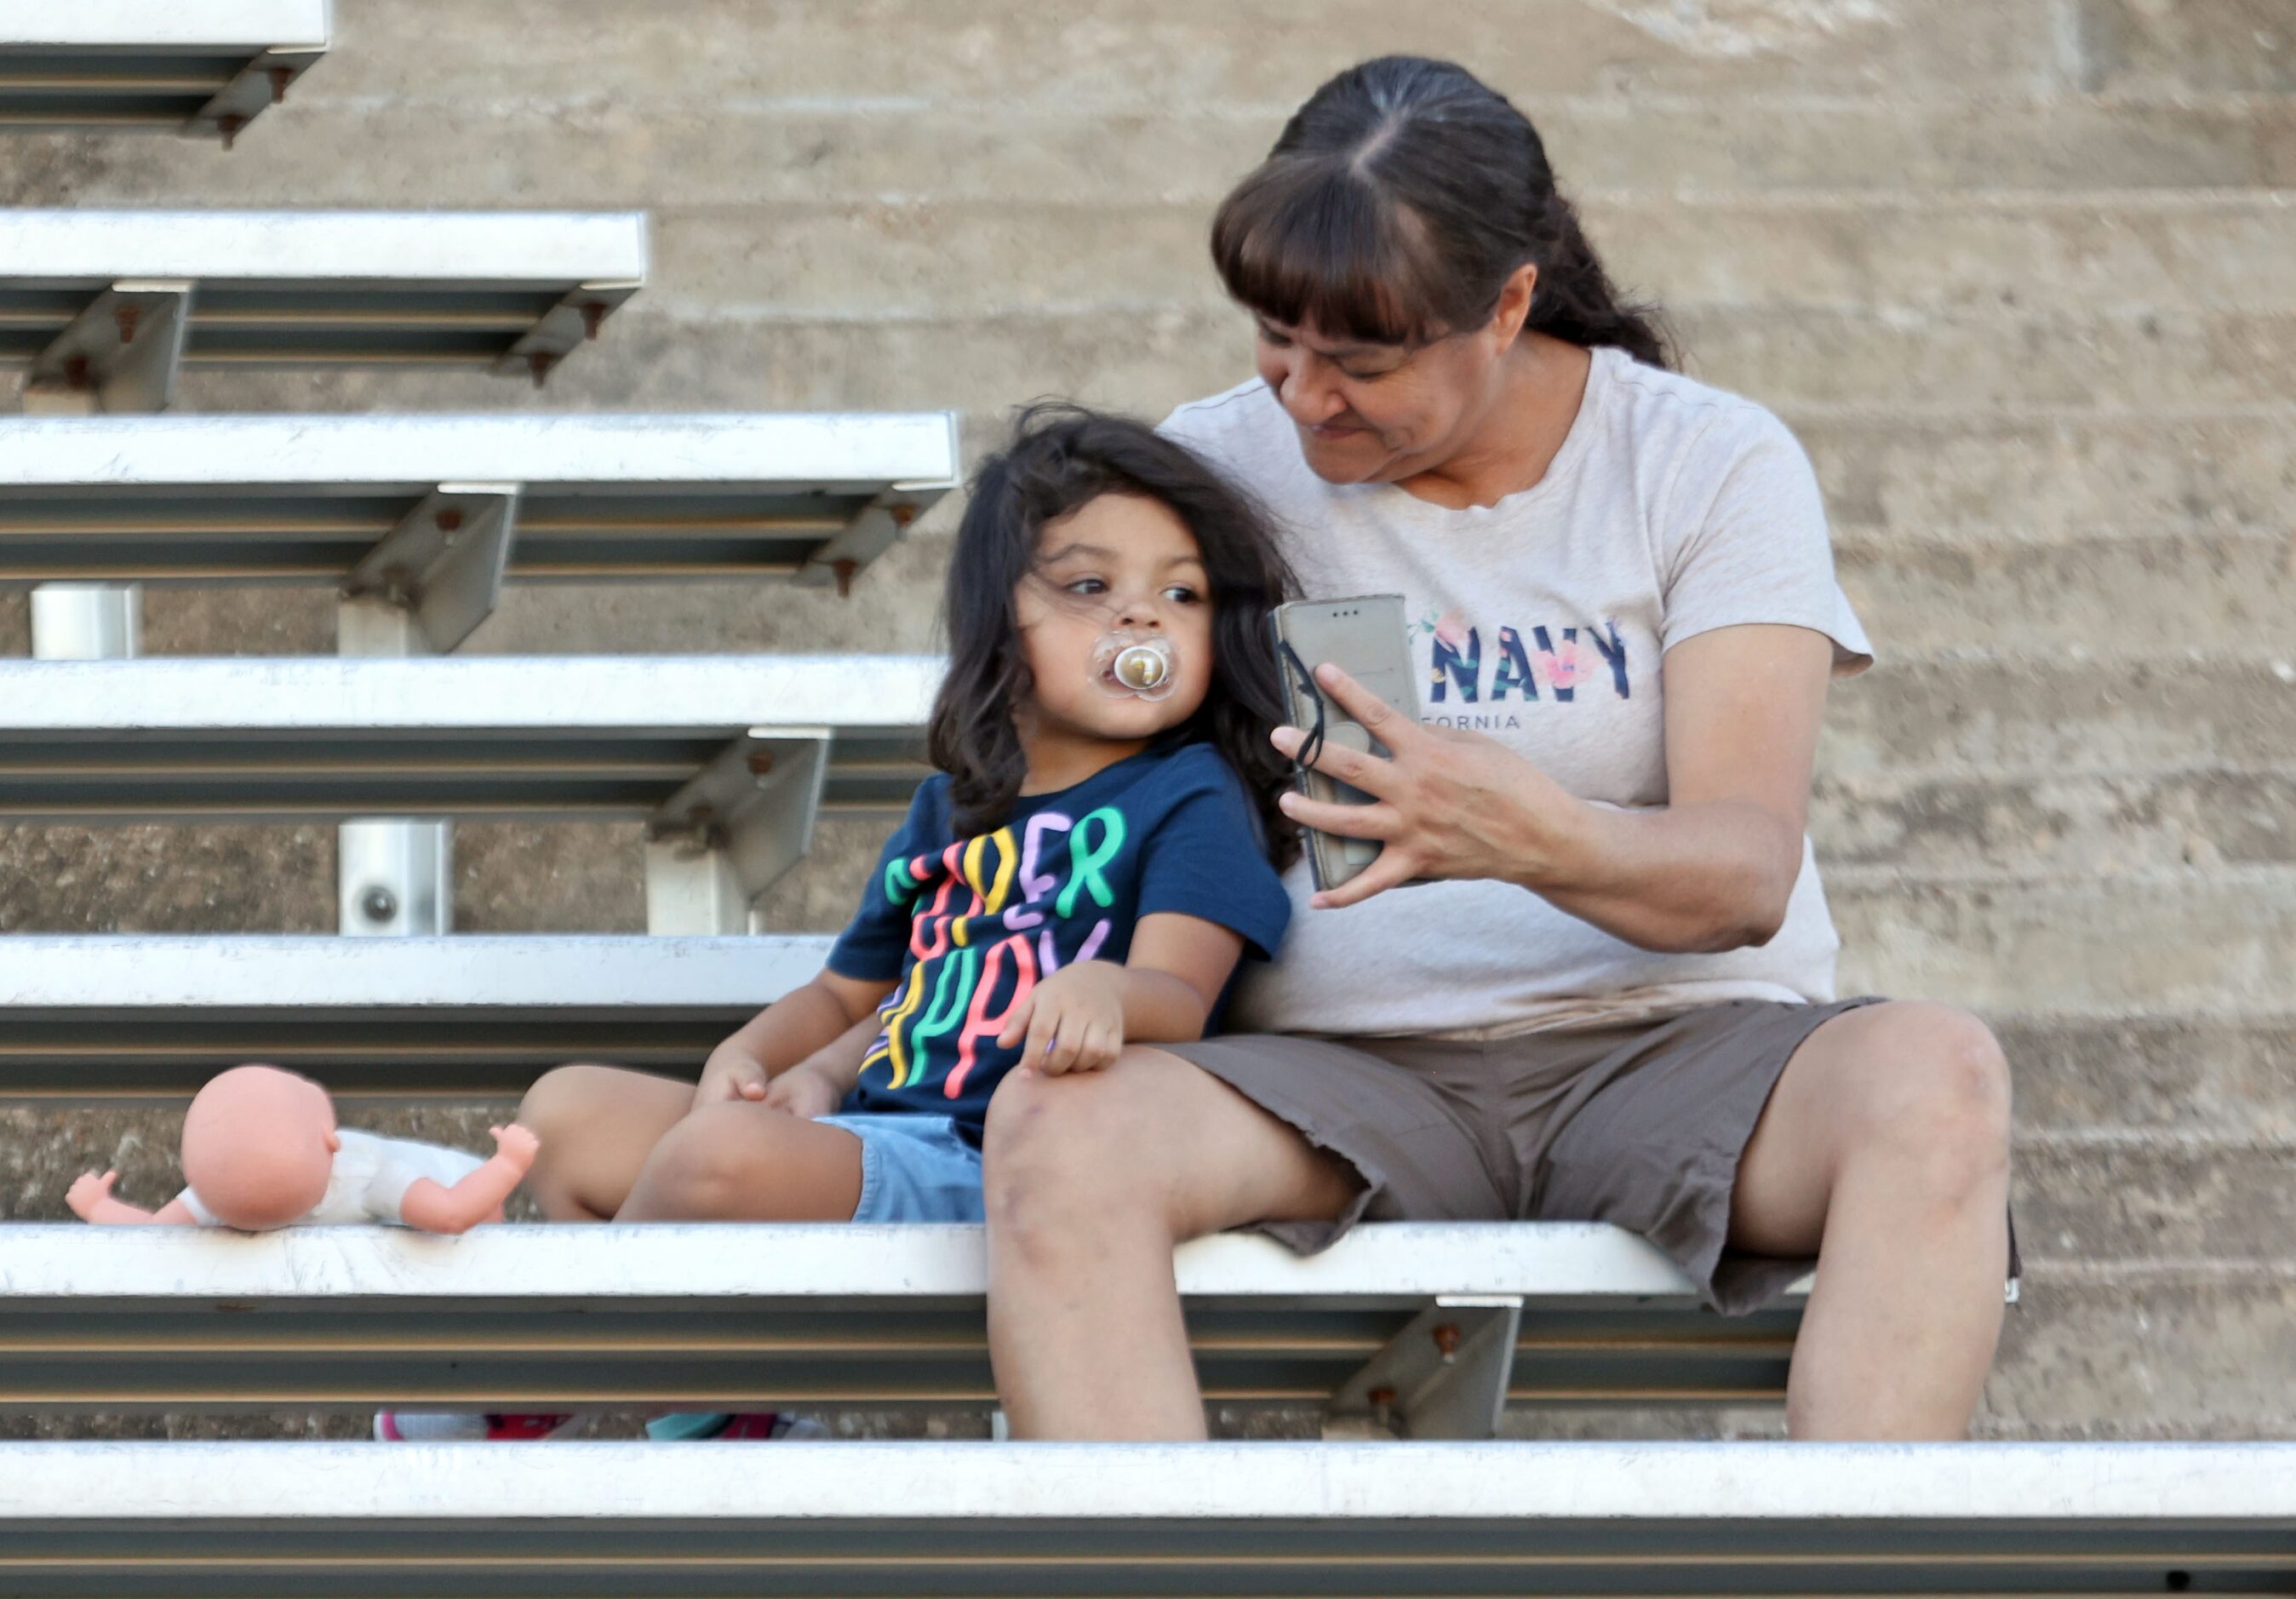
(1638, 1123)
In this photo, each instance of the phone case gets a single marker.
(1365, 638)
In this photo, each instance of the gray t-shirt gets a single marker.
(1672, 509)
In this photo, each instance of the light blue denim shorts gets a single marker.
(914, 1168)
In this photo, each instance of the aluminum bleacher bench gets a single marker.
(86, 1018)
(1428, 1329)
(105, 306)
(726, 759)
(417, 521)
(1378, 1521)
(428, 515)
(200, 67)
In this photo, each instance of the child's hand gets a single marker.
(804, 1093)
(516, 1145)
(731, 1074)
(88, 1194)
(1072, 1021)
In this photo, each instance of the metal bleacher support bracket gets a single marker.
(1444, 1376)
(422, 591)
(121, 353)
(745, 819)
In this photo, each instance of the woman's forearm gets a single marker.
(1689, 878)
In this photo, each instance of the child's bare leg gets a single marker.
(739, 1161)
(596, 1124)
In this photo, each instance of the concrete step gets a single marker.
(2044, 470)
(2192, 940)
(1967, 763)
(1118, 58)
(769, 151)
(2232, 1076)
(2128, 252)
(2010, 709)
(2145, 821)
(1969, 587)
(1803, 358)
(2172, 1349)
(2147, 1194)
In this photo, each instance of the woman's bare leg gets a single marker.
(597, 1125)
(1885, 1148)
(1092, 1178)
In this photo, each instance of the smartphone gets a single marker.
(1365, 638)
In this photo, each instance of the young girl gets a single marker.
(1097, 851)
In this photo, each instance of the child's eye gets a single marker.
(1180, 594)
(1274, 338)
(1087, 585)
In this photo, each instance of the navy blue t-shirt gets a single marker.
(970, 926)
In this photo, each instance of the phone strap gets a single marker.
(1311, 748)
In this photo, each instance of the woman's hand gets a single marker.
(1071, 1022)
(1449, 804)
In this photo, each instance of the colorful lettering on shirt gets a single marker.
(1562, 667)
(974, 986)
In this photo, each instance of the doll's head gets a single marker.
(258, 1146)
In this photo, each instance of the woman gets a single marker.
(1617, 1002)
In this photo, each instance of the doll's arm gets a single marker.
(437, 1208)
(91, 1200)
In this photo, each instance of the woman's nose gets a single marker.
(1309, 400)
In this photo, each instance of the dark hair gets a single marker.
(1398, 202)
(1060, 458)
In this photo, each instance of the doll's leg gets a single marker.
(739, 1161)
(597, 1126)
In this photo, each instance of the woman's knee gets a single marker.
(1935, 1087)
(1060, 1152)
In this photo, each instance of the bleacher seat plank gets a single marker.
(514, 290)
(569, 1519)
(195, 66)
(84, 1017)
(238, 499)
(756, 1316)
(590, 736)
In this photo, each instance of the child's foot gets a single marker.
(688, 1426)
(462, 1427)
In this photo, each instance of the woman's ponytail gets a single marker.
(1575, 301)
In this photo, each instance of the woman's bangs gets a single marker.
(1306, 245)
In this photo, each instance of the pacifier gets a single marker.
(1133, 664)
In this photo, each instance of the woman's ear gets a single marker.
(1513, 308)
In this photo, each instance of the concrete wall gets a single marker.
(2016, 270)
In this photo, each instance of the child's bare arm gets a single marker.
(1080, 1017)
(437, 1208)
(809, 1022)
(818, 1084)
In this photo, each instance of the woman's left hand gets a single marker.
(1449, 803)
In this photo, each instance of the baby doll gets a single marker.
(261, 1150)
